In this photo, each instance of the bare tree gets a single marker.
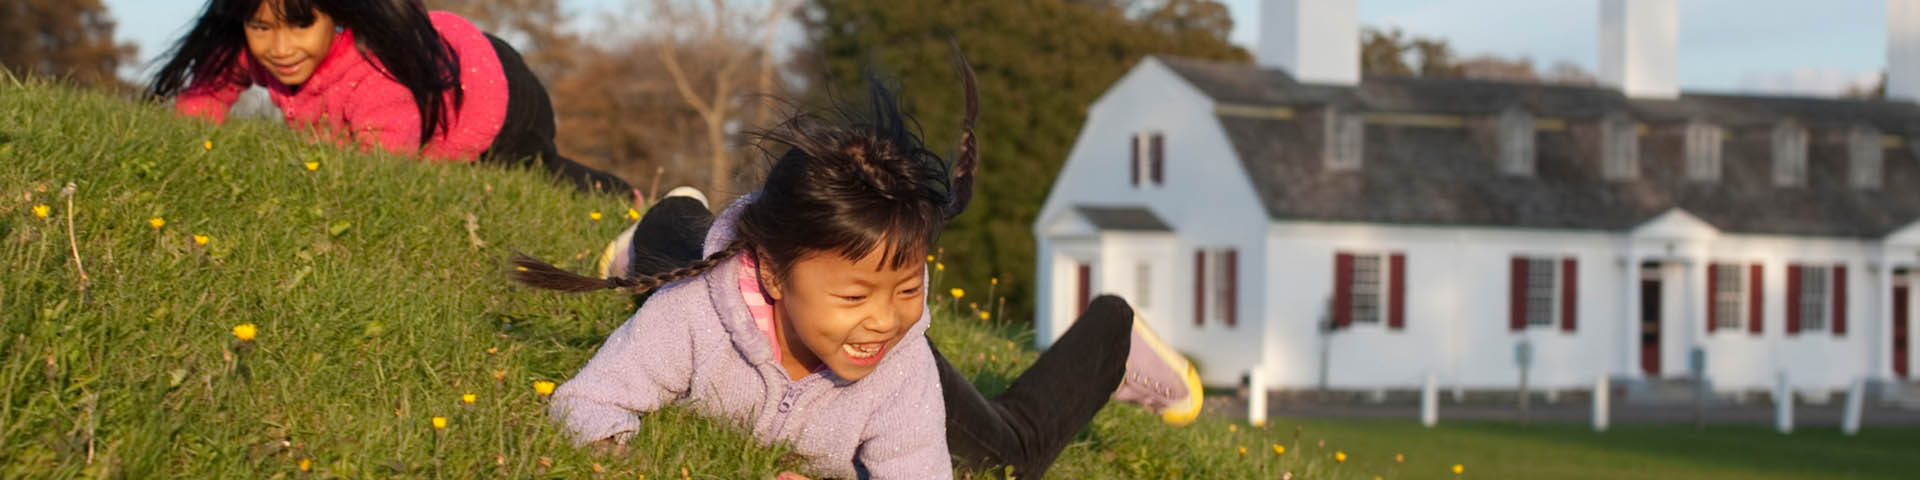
(724, 39)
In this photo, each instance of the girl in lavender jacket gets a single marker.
(805, 320)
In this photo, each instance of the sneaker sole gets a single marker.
(1187, 410)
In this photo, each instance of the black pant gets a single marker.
(527, 134)
(1025, 427)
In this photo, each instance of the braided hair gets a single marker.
(847, 184)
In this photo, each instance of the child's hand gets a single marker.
(606, 446)
(790, 476)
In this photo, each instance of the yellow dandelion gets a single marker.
(245, 332)
(595, 215)
(1243, 450)
(985, 316)
(633, 215)
(1459, 469)
(201, 240)
(1279, 450)
(468, 399)
(1233, 427)
(939, 267)
(1376, 477)
(993, 280)
(42, 211)
(957, 293)
(306, 464)
(929, 258)
(597, 468)
(1339, 456)
(439, 423)
(1399, 458)
(157, 222)
(499, 375)
(493, 350)
(543, 387)
(311, 166)
(207, 145)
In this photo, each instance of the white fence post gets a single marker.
(1256, 397)
(1782, 404)
(1601, 408)
(1850, 421)
(1430, 402)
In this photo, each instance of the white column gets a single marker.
(1850, 417)
(1880, 334)
(1630, 323)
(1782, 403)
(1602, 407)
(1693, 297)
(1256, 397)
(1430, 402)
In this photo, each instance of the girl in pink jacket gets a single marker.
(372, 73)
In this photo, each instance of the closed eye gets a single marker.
(851, 298)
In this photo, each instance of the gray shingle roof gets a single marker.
(1128, 218)
(1448, 176)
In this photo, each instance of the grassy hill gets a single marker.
(375, 287)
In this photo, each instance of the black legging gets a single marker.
(1025, 427)
(527, 133)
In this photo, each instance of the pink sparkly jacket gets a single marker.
(351, 101)
(695, 343)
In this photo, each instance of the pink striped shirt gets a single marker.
(758, 305)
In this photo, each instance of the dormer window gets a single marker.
(1789, 154)
(1619, 147)
(1864, 152)
(1148, 159)
(1516, 142)
(1344, 141)
(1703, 152)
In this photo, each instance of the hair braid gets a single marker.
(532, 272)
(968, 158)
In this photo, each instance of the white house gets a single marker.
(1434, 224)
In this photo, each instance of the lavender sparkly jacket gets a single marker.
(695, 343)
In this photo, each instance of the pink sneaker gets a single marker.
(1159, 378)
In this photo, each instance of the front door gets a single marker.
(1650, 326)
(1900, 343)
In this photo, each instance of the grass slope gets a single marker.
(378, 303)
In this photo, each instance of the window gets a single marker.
(1540, 292)
(1703, 152)
(1789, 155)
(1345, 140)
(1216, 286)
(1813, 299)
(1543, 291)
(1729, 296)
(1865, 152)
(1516, 142)
(1366, 289)
(1619, 147)
(1142, 285)
(1148, 158)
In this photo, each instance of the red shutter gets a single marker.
(1397, 291)
(1085, 295)
(1713, 292)
(1158, 160)
(1569, 294)
(1839, 300)
(1342, 290)
(1232, 308)
(1793, 299)
(1135, 162)
(1199, 287)
(1755, 296)
(1517, 295)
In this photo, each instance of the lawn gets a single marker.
(375, 288)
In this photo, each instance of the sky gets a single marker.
(1754, 46)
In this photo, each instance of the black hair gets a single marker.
(397, 33)
(848, 184)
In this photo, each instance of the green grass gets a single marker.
(378, 307)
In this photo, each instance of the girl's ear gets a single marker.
(769, 283)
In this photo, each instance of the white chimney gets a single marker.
(1639, 42)
(1903, 50)
(1316, 41)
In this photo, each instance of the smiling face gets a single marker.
(844, 314)
(290, 52)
